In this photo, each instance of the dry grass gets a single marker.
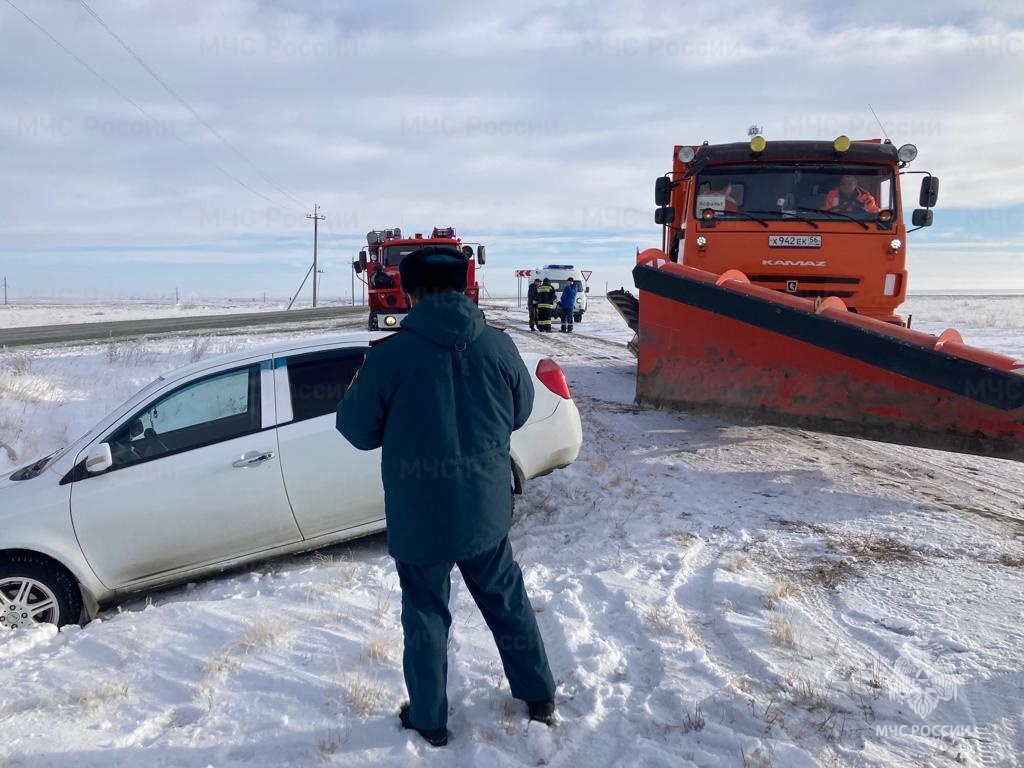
(881, 549)
(17, 363)
(781, 591)
(800, 525)
(379, 651)
(783, 631)
(328, 742)
(93, 698)
(827, 574)
(694, 722)
(364, 696)
(1010, 561)
(126, 353)
(738, 563)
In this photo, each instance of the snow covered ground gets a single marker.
(30, 312)
(710, 595)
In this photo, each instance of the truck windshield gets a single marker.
(394, 254)
(817, 192)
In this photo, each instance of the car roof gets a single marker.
(279, 348)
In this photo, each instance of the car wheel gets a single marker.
(578, 317)
(35, 591)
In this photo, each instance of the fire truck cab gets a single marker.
(810, 218)
(378, 266)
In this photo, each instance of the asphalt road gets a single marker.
(117, 329)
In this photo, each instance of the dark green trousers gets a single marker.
(496, 583)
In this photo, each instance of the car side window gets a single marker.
(209, 410)
(317, 381)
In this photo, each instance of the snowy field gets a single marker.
(29, 312)
(710, 595)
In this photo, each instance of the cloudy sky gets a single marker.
(537, 128)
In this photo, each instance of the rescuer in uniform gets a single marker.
(545, 305)
(850, 198)
(531, 302)
(442, 398)
(568, 304)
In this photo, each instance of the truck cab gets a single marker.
(559, 275)
(379, 264)
(809, 218)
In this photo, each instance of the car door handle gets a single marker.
(252, 459)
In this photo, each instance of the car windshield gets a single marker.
(815, 192)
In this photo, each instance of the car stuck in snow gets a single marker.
(227, 461)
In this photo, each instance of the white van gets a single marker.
(559, 274)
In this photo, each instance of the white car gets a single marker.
(230, 460)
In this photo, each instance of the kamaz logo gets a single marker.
(789, 263)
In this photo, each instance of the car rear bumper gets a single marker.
(543, 446)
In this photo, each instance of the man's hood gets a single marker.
(449, 319)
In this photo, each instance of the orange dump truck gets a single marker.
(774, 299)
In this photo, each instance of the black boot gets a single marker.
(435, 738)
(542, 711)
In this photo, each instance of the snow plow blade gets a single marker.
(717, 344)
(628, 307)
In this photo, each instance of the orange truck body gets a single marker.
(765, 307)
(769, 220)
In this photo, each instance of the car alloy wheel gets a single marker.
(26, 601)
(34, 590)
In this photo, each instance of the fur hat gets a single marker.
(435, 267)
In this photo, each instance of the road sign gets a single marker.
(524, 272)
(586, 274)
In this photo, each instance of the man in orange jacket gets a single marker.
(850, 198)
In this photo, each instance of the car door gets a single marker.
(331, 485)
(195, 481)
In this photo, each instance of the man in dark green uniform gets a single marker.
(443, 397)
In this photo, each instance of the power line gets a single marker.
(131, 101)
(187, 106)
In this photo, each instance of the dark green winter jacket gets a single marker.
(442, 397)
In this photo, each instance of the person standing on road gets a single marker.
(531, 302)
(545, 305)
(442, 397)
(568, 304)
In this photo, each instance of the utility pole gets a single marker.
(353, 275)
(317, 217)
(5, 291)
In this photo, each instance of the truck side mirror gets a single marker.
(662, 191)
(929, 192)
(922, 217)
(362, 262)
(664, 215)
(481, 255)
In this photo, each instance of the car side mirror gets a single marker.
(922, 217)
(99, 459)
(587, 289)
(664, 215)
(663, 191)
(481, 255)
(929, 191)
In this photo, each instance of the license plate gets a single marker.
(794, 241)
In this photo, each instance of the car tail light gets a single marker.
(552, 377)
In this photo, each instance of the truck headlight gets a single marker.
(390, 321)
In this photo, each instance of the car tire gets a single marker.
(26, 582)
(578, 317)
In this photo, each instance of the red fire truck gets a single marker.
(385, 249)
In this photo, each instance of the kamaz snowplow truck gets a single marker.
(774, 294)
(378, 263)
